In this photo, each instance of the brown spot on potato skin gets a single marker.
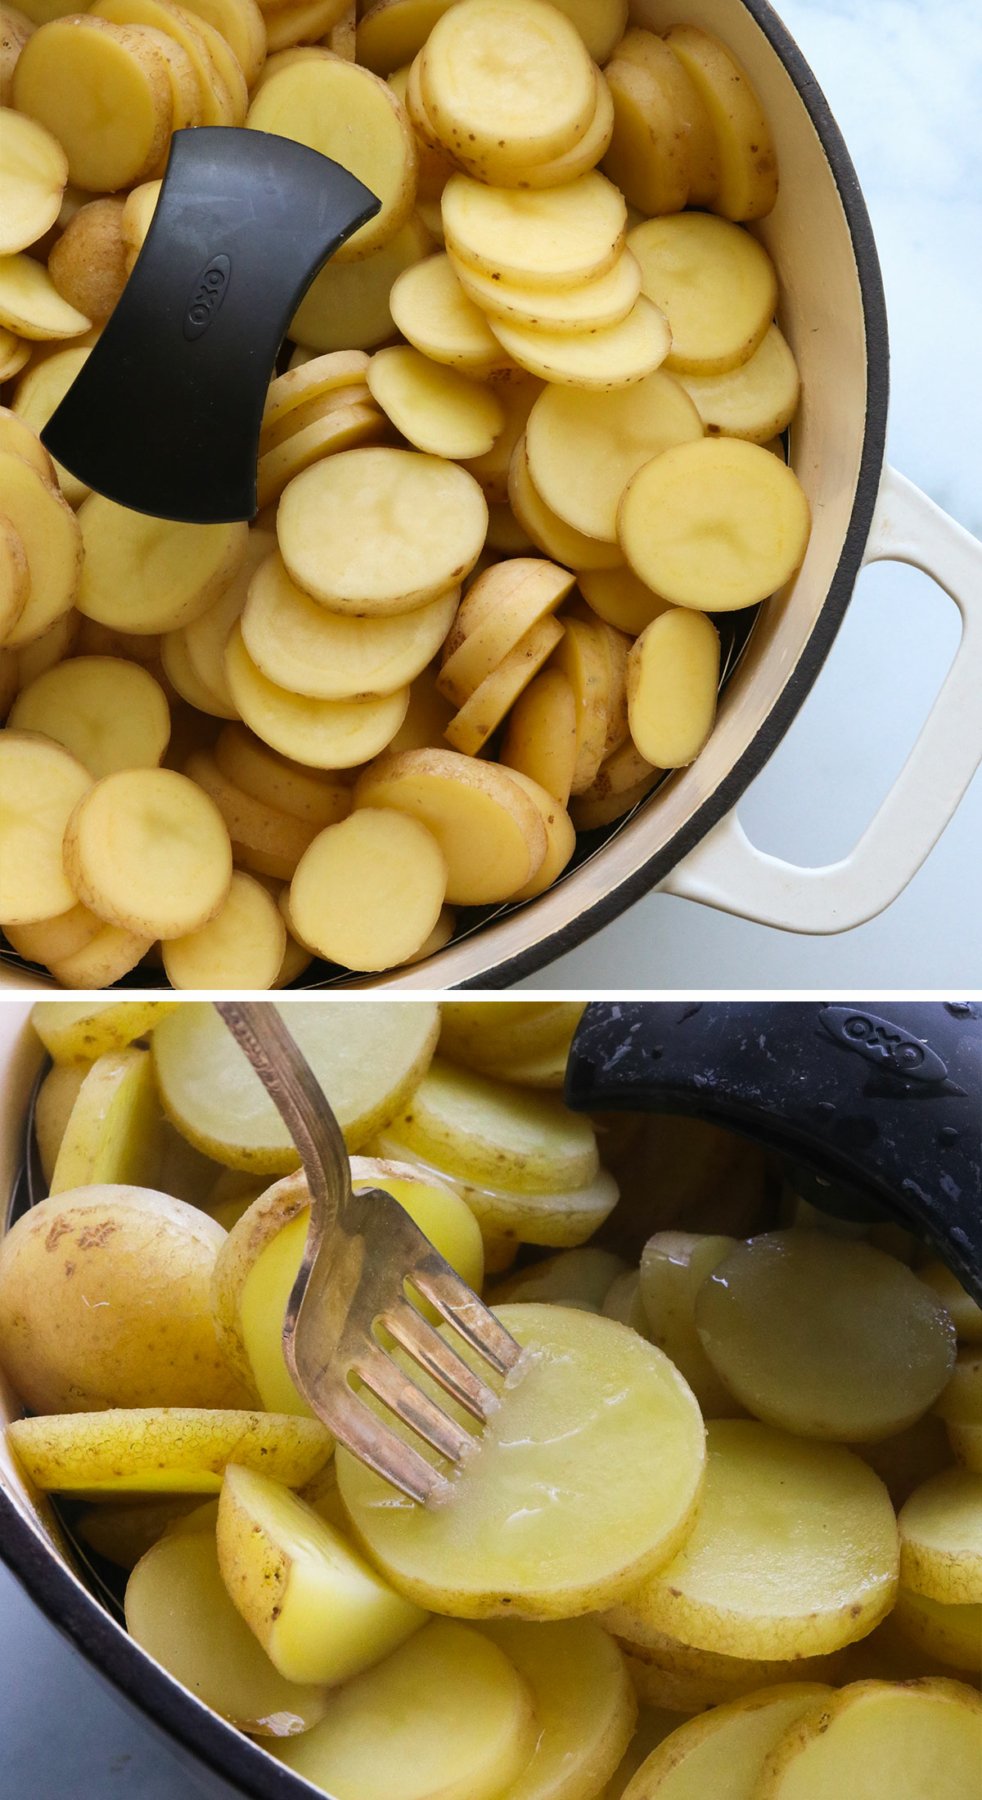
(55, 1232)
(95, 1237)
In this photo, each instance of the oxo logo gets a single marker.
(884, 1043)
(210, 288)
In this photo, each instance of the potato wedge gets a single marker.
(880, 1737)
(148, 851)
(114, 1132)
(42, 785)
(110, 714)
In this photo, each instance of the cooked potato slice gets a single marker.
(609, 357)
(259, 771)
(747, 160)
(490, 832)
(950, 1634)
(556, 1423)
(437, 409)
(298, 644)
(794, 1553)
(115, 1129)
(825, 1336)
(502, 605)
(42, 784)
(146, 575)
(583, 448)
(148, 851)
(673, 679)
(941, 1539)
(53, 1109)
(540, 737)
(348, 114)
(674, 1265)
(77, 1031)
(756, 401)
(51, 541)
(548, 531)
(104, 92)
(367, 1058)
(966, 1313)
(584, 1704)
(966, 1442)
(555, 237)
(264, 838)
(347, 304)
(326, 734)
(700, 1678)
(495, 1036)
(879, 1737)
(241, 947)
(653, 1725)
(579, 1278)
(908, 1458)
(715, 283)
(725, 1750)
(165, 1449)
(33, 170)
(431, 309)
(714, 525)
(110, 714)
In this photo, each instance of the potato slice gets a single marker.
(326, 734)
(540, 737)
(512, 70)
(240, 23)
(293, 423)
(348, 114)
(502, 605)
(40, 390)
(516, 394)
(429, 306)
(264, 838)
(104, 92)
(910, 1457)
(584, 155)
(205, 638)
(33, 170)
(965, 1312)
(437, 409)
(490, 832)
(42, 784)
(578, 1278)
(241, 947)
(15, 576)
(584, 1704)
(313, 380)
(950, 1634)
(482, 713)
(691, 1679)
(53, 1109)
(125, 1532)
(825, 1336)
(493, 1035)
(648, 154)
(110, 714)
(586, 307)
(77, 1031)
(715, 283)
(756, 401)
(555, 237)
(678, 92)
(114, 1132)
(146, 575)
(343, 428)
(674, 1266)
(548, 531)
(381, 531)
(557, 1423)
(110, 955)
(941, 1539)
(369, 891)
(13, 354)
(347, 304)
(367, 1058)
(582, 658)
(725, 1750)
(739, 524)
(620, 598)
(277, 782)
(391, 32)
(51, 541)
(583, 448)
(300, 645)
(300, 20)
(829, 1570)
(878, 1737)
(165, 1449)
(747, 160)
(560, 845)
(609, 357)
(148, 851)
(654, 1724)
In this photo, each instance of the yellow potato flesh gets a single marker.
(609, 357)
(555, 237)
(445, 1717)
(540, 737)
(724, 1750)
(492, 1035)
(439, 410)
(110, 955)
(347, 304)
(165, 1450)
(580, 1278)
(178, 1610)
(560, 1220)
(588, 1473)
(756, 401)
(109, 713)
(951, 1634)
(560, 845)
(392, 32)
(341, 428)
(674, 1265)
(746, 184)
(318, 1609)
(647, 156)
(825, 1336)
(367, 1058)
(145, 575)
(501, 605)
(41, 389)
(941, 1539)
(795, 1551)
(547, 530)
(49, 533)
(77, 1031)
(485, 1130)
(149, 852)
(965, 1312)
(918, 1739)
(584, 1705)
(106, 104)
(326, 734)
(35, 170)
(368, 892)
(42, 784)
(241, 947)
(53, 1109)
(264, 838)
(114, 1131)
(484, 709)
(715, 283)
(672, 683)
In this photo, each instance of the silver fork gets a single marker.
(361, 1252)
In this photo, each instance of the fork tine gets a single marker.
(394, 1388)
(374, 1443)
(468, 1315)
(416, 1336)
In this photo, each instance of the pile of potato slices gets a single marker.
(722, 1537)
(526, 442)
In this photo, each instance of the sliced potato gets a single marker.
(431, 309)
(555, 237)
(941, 1539)
(493, 1036)
(747, 161)
(609, 357)
(584, 1704)
(584, 155)
(391, 32)
(582, 657)
(483, 711)
(77, 1031)
(961, 1399)
(548, 531)
(40, 390)
(950, 1634)
(437, 409)
(108, 956)
(241, 947)
(14, 353)
(580, 1278)
(115, 1128)
(299, 20)
(966, 1313)
(88, 262)
(879, 1737)
(42, 785)
(34, 169)
(51, 540)
(110, 714)
(277, 782)
(756, 401)
(148, 851)
(31, 305)
(347, 304)
(648, 154)
(908, 1458)
(165, 1449)
(240, 23)
(53, 1109)
(104, 92)
(368, 892)
(715, 283)
(516, 393)
(510, 1216)
(368, 1058)
(342, 428)
(145, 575)
(313, 380)
(674, 1266)
(679, 93)
(264, 838)
(326, 734)
(560, 846)
(124, 1532)
(725, 1750)
(540, 737)
(620, 598)
(205, 638)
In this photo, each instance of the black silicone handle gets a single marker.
(883, 1101)
(164, 415)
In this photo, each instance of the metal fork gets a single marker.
(361, 1252)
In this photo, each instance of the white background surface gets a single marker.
(903, 80)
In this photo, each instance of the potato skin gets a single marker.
(104, 1301)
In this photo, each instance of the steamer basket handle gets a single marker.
(728, 872)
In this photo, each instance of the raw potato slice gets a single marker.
(300, 20)
(392, 32)
(52, 543)
(40, 390)
(399, 1731)
(620, 598)
(941, 1539)
(347, 304)
(21, 439)
(15, 576)
(756, 401)
(747, 165)
(276, 781)
(369, 891)
(110, 714)
(507, 72)
(348, 114)
(560, 845)
(504, 602)
(300, 645)
(187, 683)
(482, 713)
(241, 947)
(547, 530)
(313, 380)
(686, 109)
(294, 423)
(42, 784)
(540, 738)
(584, 155)
(114, 1132)
(240, 23)
(591, 811)
(437, 409)
(33, 170)
(146, 575)
(715, 525)
(715, 283)
(104, 92)
(794, 1553)
(950, 1634)
(878, 1737)
(13, 354)
(327, 734)
(367, 1058)
(609, 357)
(221, 89)
(674, 1266)
(53, 1109)
(110, 955)
(264, 838)
(673, 680)
(149, 852)
(178, 1610)
(584, 1705)
(431, 309)
(342, 428)
(724, 1750)
(47, 940)
(490, 832)
(555, 237)
(77, 1031)
(381, 531)
(606, 1423)
(648, 155)
(487, 1131)
(317, 1608)
(205, 638)
(825, 1336)
(583, 448)
(582, 658)
(586, 307)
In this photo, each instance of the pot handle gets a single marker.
(725, 870)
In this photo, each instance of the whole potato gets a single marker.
(104, 1301)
